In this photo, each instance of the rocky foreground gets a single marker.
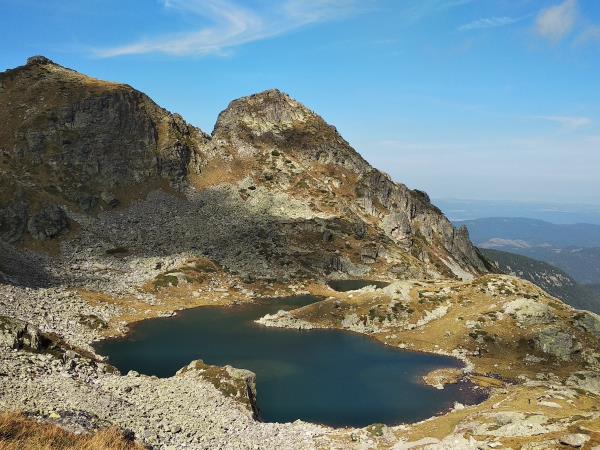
(537, 358)
(113, 210)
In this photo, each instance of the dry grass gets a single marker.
(17, 432)
(218, 172)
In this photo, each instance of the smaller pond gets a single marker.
(324, 376)
(353, 285)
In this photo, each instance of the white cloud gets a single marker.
(489, 22)
(592, 33)
(556, 22)
(234, 25)
(569, 123)
(414, 10)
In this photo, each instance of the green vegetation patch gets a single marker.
(165, 280)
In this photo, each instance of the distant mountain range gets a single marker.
(561, 213)
(574, 248)
(548, 277)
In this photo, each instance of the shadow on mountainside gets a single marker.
(23, 269)
(245, 237)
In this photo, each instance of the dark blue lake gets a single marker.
(324, 376)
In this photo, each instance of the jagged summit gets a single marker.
(267, 111)
(69, 138)
(39, 59)
(273, 118)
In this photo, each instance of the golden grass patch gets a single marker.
(17, 432)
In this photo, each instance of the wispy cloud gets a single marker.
(490, 22)
(414, 10)
(590, 34)
(555, 22)
(233, 25)
(569, 123)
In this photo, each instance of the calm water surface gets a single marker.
(323, 376)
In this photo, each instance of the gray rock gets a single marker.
(555, 342)
(48, 223)
(109, 199)
(369, 254)
(13, 222)
(397, 226)
(15, 333)
(590, 322)
(575, 440)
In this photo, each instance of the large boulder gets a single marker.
(590, 322)
(15, 333)
(529, 312)
(238, 384)
(48, 223)
(556, 343)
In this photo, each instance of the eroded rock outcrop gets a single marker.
(67, 139)
(239, 384)
(17, 334)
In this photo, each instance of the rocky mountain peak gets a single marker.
(274, 120)
(70, 139)
(39, 60)
(265, 111)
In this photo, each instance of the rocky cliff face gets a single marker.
(73, 147)
(67, 138)
(272, 123)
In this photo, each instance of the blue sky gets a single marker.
(461, 98)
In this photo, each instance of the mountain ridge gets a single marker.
(106, 144)
(573, 248)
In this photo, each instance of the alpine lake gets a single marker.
(331, 377)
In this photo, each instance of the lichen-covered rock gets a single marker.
(15, 333)
(528, 311)
(239, 384)
(556, 343)
(48, 223)
(586, 380)
(590, 322)
(575, 440)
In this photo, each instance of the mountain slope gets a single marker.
(548, 277)
(275, 190)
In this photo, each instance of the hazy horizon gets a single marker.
(553, 212)
(460, 99)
